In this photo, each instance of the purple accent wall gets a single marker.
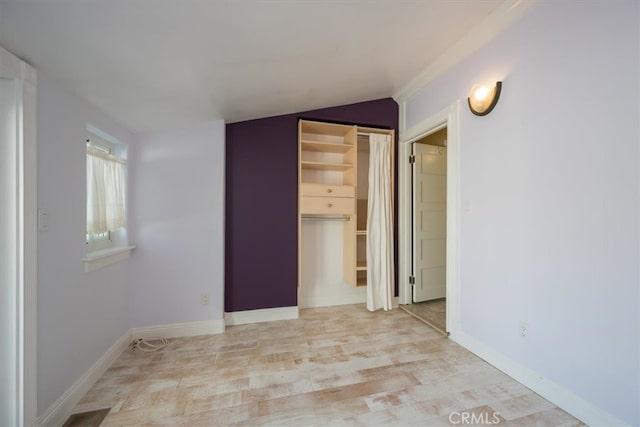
(261, 241)
(261, 252)
(381, 113)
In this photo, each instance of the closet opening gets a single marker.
(334, 265)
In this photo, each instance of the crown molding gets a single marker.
(499, 20)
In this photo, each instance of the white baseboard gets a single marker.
(62, 408)
(261, 315)
(174, 330)
(556, 394)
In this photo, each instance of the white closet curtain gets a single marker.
(105, 192)
(380, 225)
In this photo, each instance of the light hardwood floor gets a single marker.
(333, 366)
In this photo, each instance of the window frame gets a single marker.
(111, 247)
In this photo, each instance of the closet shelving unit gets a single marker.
(332, 186)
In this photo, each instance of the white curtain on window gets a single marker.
(105, 192)
(380, 225)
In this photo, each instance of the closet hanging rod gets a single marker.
(372, 133)
(325, 218)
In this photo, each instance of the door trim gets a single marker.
(448, 118)
(11, 67)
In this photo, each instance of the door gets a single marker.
(429, 222)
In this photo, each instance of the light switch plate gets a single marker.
(43, 220)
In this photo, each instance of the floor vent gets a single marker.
(87, 419)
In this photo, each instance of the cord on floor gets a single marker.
(148, 345)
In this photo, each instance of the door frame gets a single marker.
(11, 67)
(448, 118)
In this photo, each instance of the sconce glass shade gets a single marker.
(483, 99)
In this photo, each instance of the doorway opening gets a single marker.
(429, 222)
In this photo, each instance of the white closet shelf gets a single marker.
(325, 166)
(326, 147)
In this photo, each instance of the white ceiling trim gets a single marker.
(503, 17)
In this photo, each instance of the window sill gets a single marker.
(102, 258)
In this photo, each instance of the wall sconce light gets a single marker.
(482, 99)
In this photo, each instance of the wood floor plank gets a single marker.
(331, 396)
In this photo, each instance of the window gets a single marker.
(106, 192)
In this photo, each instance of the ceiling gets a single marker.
(153, 64)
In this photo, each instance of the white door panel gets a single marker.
(433, 253)
(433, 224)
(434, 159)
(435, 278)
(434, 189)
(430, 222)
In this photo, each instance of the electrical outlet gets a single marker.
(204, 299)
(524, 331)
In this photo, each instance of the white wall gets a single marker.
(552, 174)
(80, 315)
(176, 194)
(177, 224)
